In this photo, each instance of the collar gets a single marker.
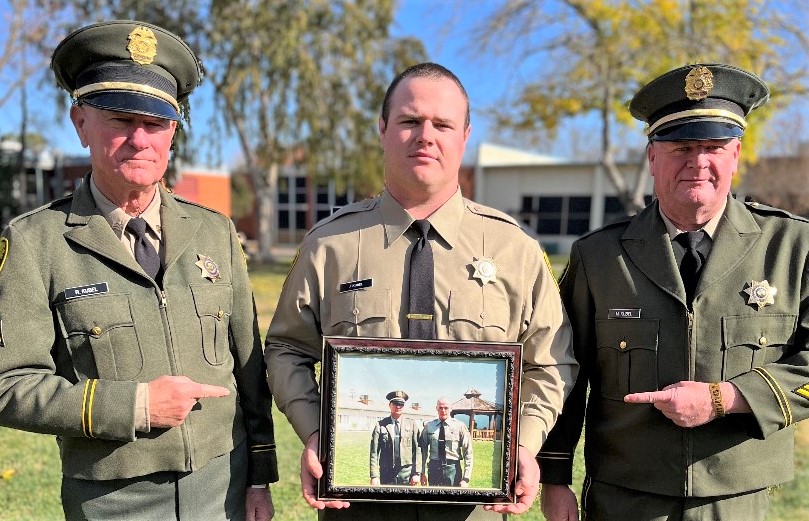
(709, 228)
(118, 218)
(446, 221)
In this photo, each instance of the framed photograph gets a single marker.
(419, 420)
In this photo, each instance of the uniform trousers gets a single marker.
(216, 491)
(444, 474)
(604, 502)
(397, 475)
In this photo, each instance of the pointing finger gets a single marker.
(210, 391)
(650, 397)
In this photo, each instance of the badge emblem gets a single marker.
(142, 45)
(485, 269)
(210, 270)
(761, 293)
(698, 83)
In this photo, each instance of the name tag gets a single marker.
(624, 313)
(85, 291)
(356, 285)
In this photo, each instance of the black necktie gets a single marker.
(420, 320)
(145, 253)
(397, 437)
(692, 262)
(442, 445)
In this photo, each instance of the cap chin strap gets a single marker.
(706, 113)
(124, 86)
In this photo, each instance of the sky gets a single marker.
(443, 27)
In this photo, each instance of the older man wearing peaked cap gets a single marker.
(691, 324)
(127, 324)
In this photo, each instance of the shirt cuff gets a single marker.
(142, 408)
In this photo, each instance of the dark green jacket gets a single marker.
(631, 265)
(69, 366)
(382, 443)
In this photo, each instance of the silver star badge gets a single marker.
(761, 293)
(485, 269)
(210, 270)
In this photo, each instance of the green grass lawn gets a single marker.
(30, 475)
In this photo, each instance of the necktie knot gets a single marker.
(137, 226)
(422, 226)
(689, 240)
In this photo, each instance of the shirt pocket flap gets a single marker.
(212, 300)
(758, 331)
(359, 306)
(492, 310)
(625, 335)
(94, 315)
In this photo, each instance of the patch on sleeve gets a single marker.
(802, 391)
(3, 252)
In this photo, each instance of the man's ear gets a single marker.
(79, 118)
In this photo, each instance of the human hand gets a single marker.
(414, 480)
(558, 503)
(464, 484)
(375, 482)
(424, 480)
(526, 487)
(687, 404)
(311, 471)
(258, 504)
(172, 397)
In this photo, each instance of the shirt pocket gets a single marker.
(626, 356)
(360, 313)
(755, 340)
(473, 315)
(101, 337)
(213, 303)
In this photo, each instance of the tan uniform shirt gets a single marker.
(371, 240)
(458, 443)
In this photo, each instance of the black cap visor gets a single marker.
(132, 102)
(698, 130)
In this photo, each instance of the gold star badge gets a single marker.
(485, 269)
(210, 270)
(761, 293)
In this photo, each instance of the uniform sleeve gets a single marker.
(374, 459)
(250, 372)
(549, 368)
(416, 445)
(33, 395)
(468, 456)
(293, 346)
(556, 456)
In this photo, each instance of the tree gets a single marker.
(590, 56)
(298, 81)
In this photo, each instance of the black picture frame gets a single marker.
(356, 375)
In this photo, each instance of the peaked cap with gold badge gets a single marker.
(397, 397)
(699, 102)
(127, 66)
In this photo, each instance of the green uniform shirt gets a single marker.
(81, 325)
(633, 333)
(457, 443)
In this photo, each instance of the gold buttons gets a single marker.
(762, 341)
(220, 314)
(96, 331)
(355, 311)
(482, 314)
(622, 345)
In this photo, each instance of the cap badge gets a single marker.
(485, 269)
(761, 293)
(142, 45)
(210, 270)
(698, 83)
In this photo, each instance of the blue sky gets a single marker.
(444, 27)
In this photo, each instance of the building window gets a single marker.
(556, 215)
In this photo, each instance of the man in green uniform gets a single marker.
(446, 443)
(477, 276)
(690, 325)
(395, 446)
(127, 324)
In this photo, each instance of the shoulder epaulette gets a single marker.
(359, 206)
(183, 200)
(764, 209)
(622, 222)
(486, 211)
(56, 202)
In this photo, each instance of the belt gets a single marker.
(448, 462)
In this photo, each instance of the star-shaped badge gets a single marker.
(761, 293)
(210, 270)
(485, 269)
